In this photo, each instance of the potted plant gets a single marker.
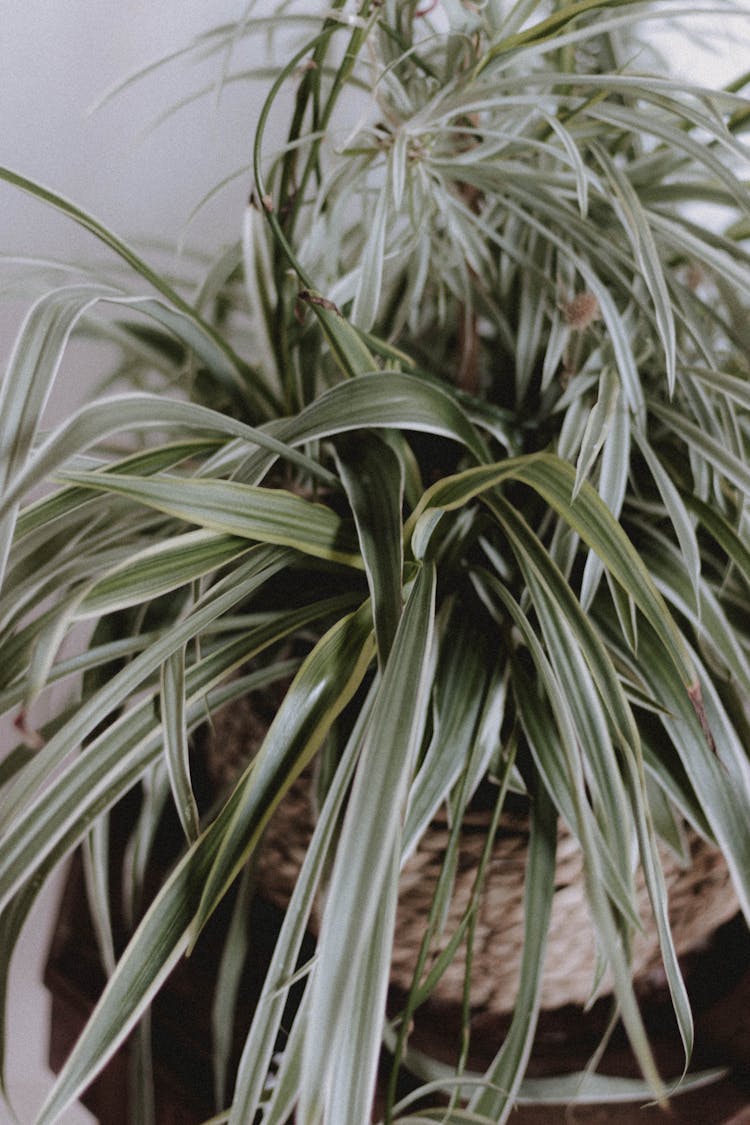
(449, 458)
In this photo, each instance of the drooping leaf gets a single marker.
(28, 382)
(333, 671)
(189, 894)
(174, 724)
(224, 596)
(178, 314)
(351, 948)
(97, 421)
(505, 1073)
(390, 400)
(267, 515)
(373, 480)
(255, 1062)
(158, 569)
(460, 684)
(553, 479)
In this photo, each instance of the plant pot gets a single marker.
(701, 899)
(701, 894)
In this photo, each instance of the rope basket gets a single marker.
(701, 896)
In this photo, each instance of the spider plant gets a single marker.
(453, 444)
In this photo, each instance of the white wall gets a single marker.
(57, 59)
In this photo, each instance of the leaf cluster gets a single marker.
(450, 452)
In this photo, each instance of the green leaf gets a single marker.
(461, 677)
(676, 137)
(565, 625)
(595, 1089)
(340, 1066)
(708, 618)
(164, 934)
(373, 479)
(176, 749)
(154, 793)
(74, 665)
(551, 736)
(676, 510)
(715, 452)
(155, 570)
(42, 514)
(28, 382)
(96, 869)
(734, 387)
(384, 400)
(618, 324)
(506, 1071)
(268, 515)
(597, 426)
(722, 533)
(549, 29)
(723, 799)
(531, 321)
(99, 420)
(367, 296)
(254, 1064)
(631, 214)
(696, 244)
(60, 816)
(283, 1093)
(159, 942)
(609, 937)
(654, 875)
(599, 877)
(611, 486)
(263, 563)
(177, 315)
(347, 343)
(572, 648)
(321, 689)
(554, 480)
(224, 1004)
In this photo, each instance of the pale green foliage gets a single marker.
(459, 453)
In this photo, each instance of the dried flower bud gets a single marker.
(582, 311)
(694, 276)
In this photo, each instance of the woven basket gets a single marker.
(701, 896)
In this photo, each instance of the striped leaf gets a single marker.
(352, 948)
(266, 515)
(554, 480)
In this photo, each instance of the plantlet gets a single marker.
(453, 445)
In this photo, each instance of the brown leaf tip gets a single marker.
(311, 298)
(695, 696)
(29, 736)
